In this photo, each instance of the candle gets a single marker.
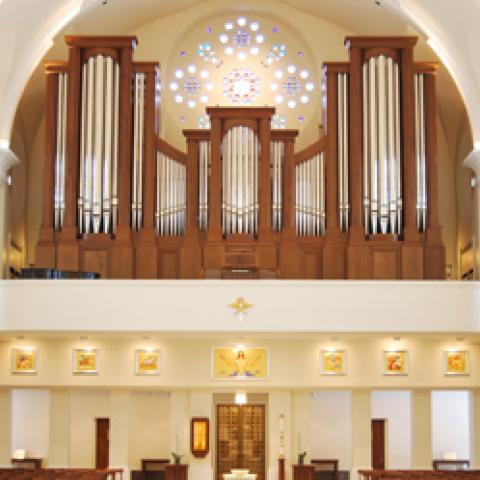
(282, 423)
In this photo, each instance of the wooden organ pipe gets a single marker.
(240, 154)
(420, 152)
(60, 156)
(381, 146)
(98, 193)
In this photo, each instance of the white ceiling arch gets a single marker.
(28, 27)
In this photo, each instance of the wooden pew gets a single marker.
(419, 475)
(60, 474)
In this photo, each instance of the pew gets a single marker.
(419, 475)
(60, 474)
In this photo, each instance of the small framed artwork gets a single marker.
(395, 362)
(233, 363)
(85, 361)
(147, 361)
(333, 362)
(24, 361)
(199, 437)
(457, 362)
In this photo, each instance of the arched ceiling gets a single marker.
(356, 16)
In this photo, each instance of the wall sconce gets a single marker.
(240, 398)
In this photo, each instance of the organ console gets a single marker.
(359, 203)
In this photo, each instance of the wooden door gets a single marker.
(102, 444)
(240, 439)
(378, 444)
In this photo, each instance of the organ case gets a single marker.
(360, 202)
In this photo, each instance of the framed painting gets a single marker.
(199, 437)
(333, 362)
(85, 361)
(233, 363)
(457, 362)
(147, 361)
(25, 361)
(395, 362)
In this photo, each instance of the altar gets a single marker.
(239, 474)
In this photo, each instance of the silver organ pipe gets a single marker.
(138, 150)
(277, 156)
(343, 149)
(310, 197)
(98, 196)
(61, 126)
(204, 164)
(381, 152)
(170, 212)
(421, 161)
(240, 155)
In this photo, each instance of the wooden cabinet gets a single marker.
(176, 472)
(303, 472)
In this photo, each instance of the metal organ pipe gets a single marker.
(240, 181)
(277, 156)
(170, 212)
(138, 150)
(204, 163)
(343, 149)
(59, 188)
(98, 198)
(420, 155)
(381, 153)
(310, 197)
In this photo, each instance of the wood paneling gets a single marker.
(102, 442)
(378, 444)
(240, 439)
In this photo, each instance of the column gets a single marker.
(180, 424)
(475, 430)
(119, 416)
(59, 438)
(421, 429)
(201, 406)
(7, 160)
(301, 425)
(5, 428)
(473, 162)
(279, 403)
(361, 430)
(265, 180)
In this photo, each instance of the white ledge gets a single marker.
(203, 306)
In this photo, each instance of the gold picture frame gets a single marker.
(25, 361)
(456, 363)
(85, 361)
(240, 363)
(333, 362)
(148, 361)
(200, 437)
(395, 362)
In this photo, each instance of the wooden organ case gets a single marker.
(359, 203)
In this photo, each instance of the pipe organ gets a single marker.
(360, 202)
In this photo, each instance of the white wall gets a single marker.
(451, 423)
(316, 306)
(331, 427)
(85, 406)
(395, 407)
(30, 421)
(148, 427)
